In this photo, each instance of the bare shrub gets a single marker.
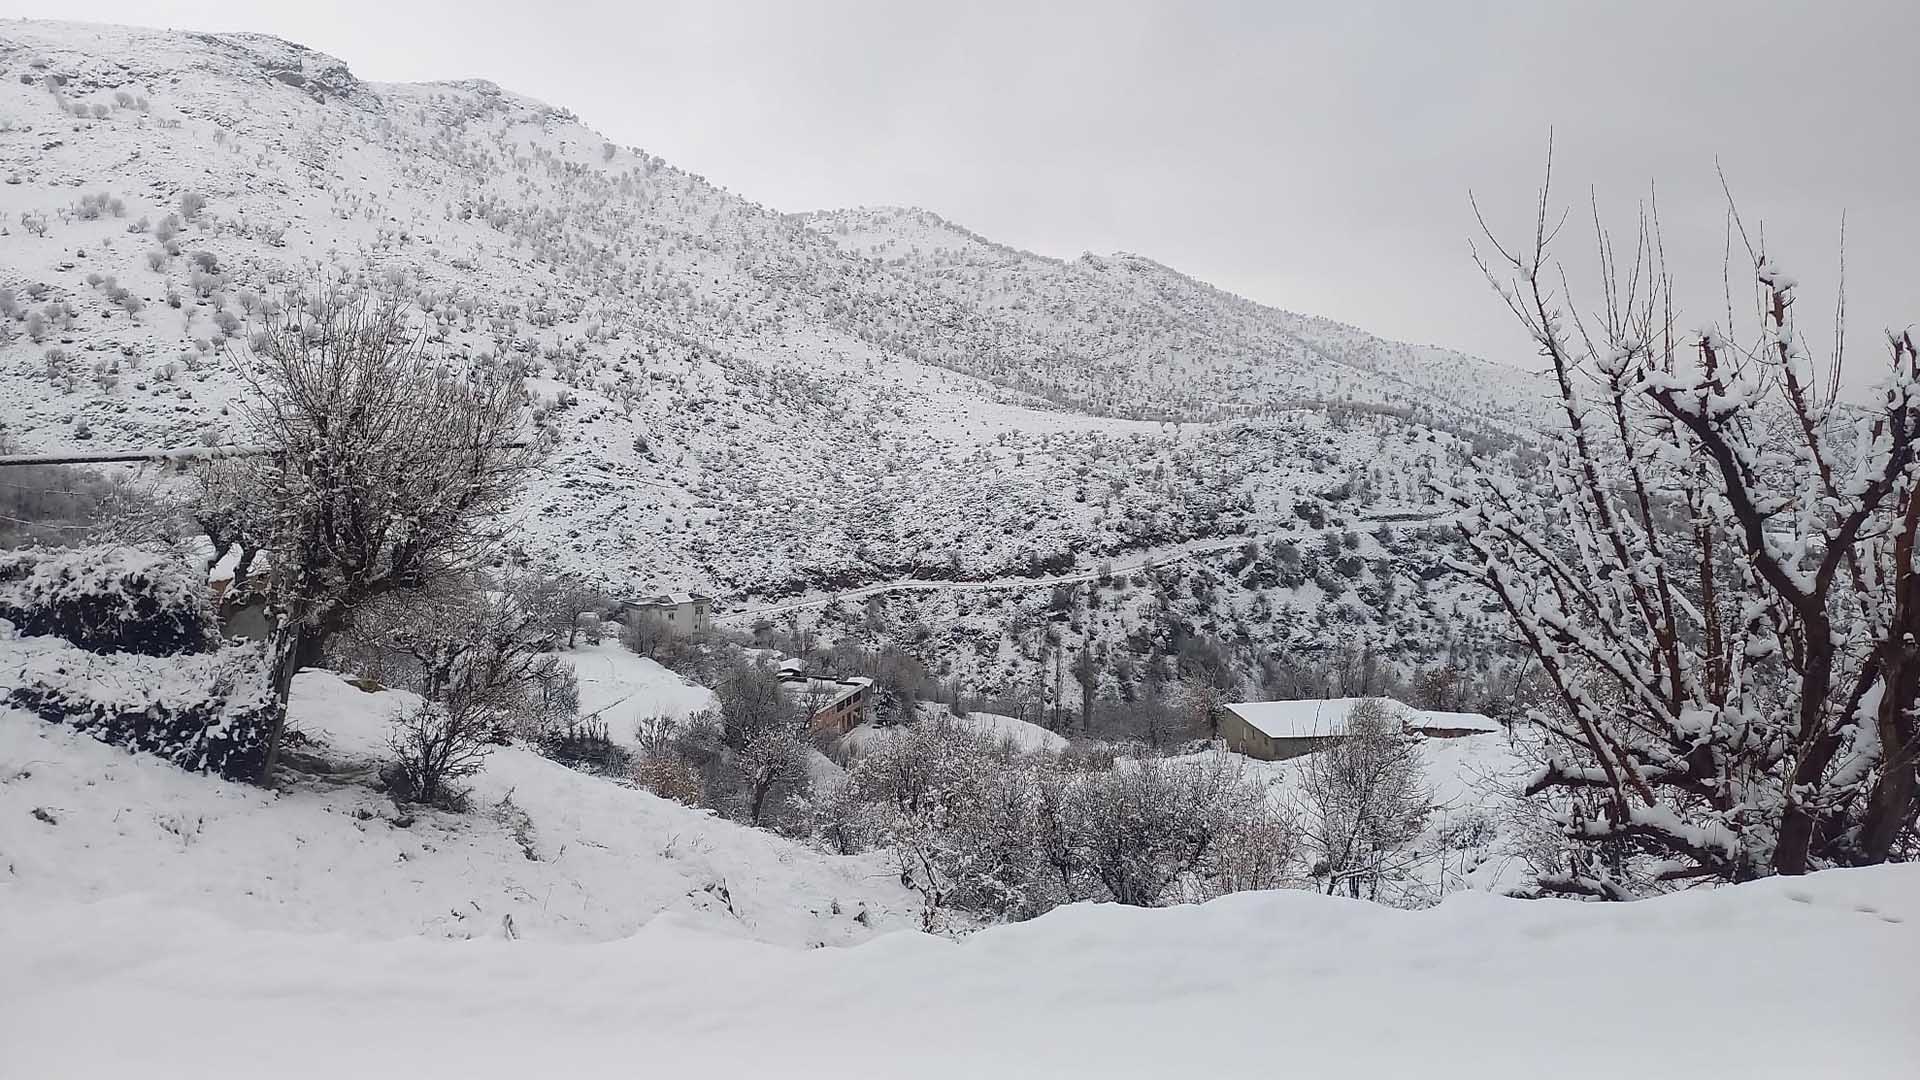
(670, 776)
(981, 827)
(1149, 831)
(1365, 801)
(435, 746)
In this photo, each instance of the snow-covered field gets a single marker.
(623, 689)
(159, 923)
(1807, 978)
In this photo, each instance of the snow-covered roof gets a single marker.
(1460, 721)
(1295, 719)
(1328, 716)
(671, 600)
(821, 693)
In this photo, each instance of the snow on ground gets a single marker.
(1781, 978)
(563, 854)
(624, 689)
(1024, 736)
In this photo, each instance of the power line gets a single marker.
(45, 524)
(107, 457)
(181, 454)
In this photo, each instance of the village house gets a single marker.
(1278, 730)
(681, 612)
(837, 706)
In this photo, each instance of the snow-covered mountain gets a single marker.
(752, 402)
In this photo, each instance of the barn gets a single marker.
(1278, 730)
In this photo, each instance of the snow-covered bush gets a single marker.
(962, 816)
(108, 598)
(1151, 831)
(206, 712)
(978, 826)
(670, 777)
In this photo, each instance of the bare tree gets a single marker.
(563, 601)
(1366, 800)
(1201, 699)
(388, 464)
(1717, 576)
(766, 732)
(572, 601)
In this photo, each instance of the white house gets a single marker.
(681, 612)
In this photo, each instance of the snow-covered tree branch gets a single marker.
(1717, 575)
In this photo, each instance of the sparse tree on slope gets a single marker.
(766, 733)
(1718, 578)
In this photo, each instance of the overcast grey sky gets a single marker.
(1315, 156)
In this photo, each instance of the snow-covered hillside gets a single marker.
(741, 400)
(1166, 338)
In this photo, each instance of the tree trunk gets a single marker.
(293, 647)
(762, 785)
(286, 653)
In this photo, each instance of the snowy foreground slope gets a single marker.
(551, 853)
(159, 924)
(1804, 978)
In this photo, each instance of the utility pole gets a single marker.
(1057, 645)
(1088, 680)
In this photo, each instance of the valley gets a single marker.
(478, 598)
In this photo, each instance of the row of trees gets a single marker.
(983, 827)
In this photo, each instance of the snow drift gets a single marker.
(1807, 977)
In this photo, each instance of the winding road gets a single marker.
(1118, 568)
